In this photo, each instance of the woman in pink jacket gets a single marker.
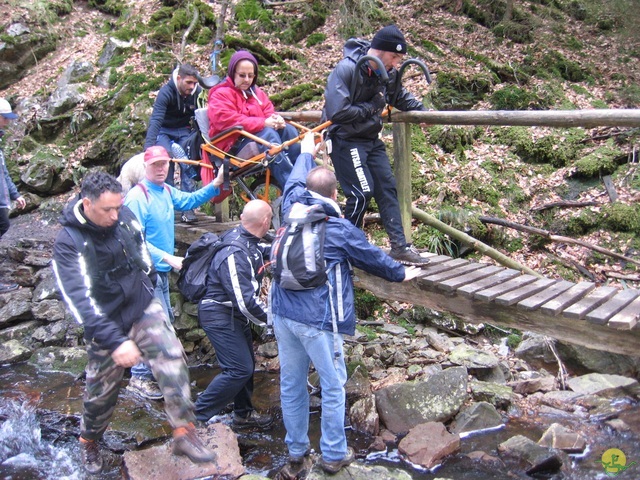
(239, 101)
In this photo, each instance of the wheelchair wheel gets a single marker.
(273, 197)
(259, 189)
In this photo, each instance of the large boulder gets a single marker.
(406, 405)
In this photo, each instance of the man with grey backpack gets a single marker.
(310, 321)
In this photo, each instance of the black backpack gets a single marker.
(192, 281)
(298, 249)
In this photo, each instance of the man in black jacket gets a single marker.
(359, 156)
(231, 303)
(170, 124)
(106, 277)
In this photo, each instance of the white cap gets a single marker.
(5, 110)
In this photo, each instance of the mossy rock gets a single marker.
(619, 217)
(451, 138)
(456, 92)
(602, 161)
(288, 99)
(111, 7)
(66, 359)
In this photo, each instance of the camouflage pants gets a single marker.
(162, 351)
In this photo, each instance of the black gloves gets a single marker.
(378, 103)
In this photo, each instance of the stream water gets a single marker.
(40, 411)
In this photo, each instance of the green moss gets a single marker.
(456, 92)
(620, 217)
(512, 97)
(451, 138)
(290, 98)
(585, 222)
(111, 7)
(556, 65)
(366, 303)
(315, 39)
(602, 161)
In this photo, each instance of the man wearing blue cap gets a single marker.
(8, 190)
(359, 156)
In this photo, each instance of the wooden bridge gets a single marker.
(602, 318)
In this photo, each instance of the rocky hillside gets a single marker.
(83, 76)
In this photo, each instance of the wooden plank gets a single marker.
(430, 269)
(627, 318)
(437, 260)
(575, 293)
(545, 295)
(607, 310)
(491, 293)
(457, 282)
(592, 300)
(503, 276)
(514, 296)
(454, 272)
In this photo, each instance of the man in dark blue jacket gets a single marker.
(170, 123)
(310, 324)
(359, 156)
(106, 277)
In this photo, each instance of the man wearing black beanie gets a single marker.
(359, 156)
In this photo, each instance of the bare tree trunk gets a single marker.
(508, 14)
(187, 32)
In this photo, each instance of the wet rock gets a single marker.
(484, 457)
(67, 359)
(194, 335)
(493, 375)
(427, 444)
(19, 308)
(48, 310)
(478, 416)
(268, 350)
(13, 351)
(159, 462)
(20, 331)
(605, 385)
(618, 425)
(557, 436)
(364, 417)
(535, 458)
(404, 406)
(185, 323)
(545, 383)
(500, 396)
(577, 357)
(438, 342)
(358, 471)
(46, 287)
(472, 358)
(563, 399)
(50, 334)
(358, 385)
(535, 350)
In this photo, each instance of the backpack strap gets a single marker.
(146, 191)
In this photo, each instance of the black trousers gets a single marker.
(232, 341)
(4, 221)
(363, 170)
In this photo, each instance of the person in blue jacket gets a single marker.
(309, 325)
(153, 203)
(8, 190)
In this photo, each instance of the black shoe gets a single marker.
(8, 287)
(254, 419)
(189, 216)
(408, 255)
(335, 466)
(91, 457)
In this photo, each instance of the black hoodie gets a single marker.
(104, 284)
(171, 110)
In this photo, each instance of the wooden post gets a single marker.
(402, 172)
(221, 210)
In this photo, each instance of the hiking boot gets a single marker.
(254, 419)
(91, 457)
(408, 255)
(187, 443)
(335, 466)
(189, 216)
(296, 468)
(8, 287)
(145, 388)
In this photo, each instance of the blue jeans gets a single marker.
(161, 293)
(179, 135)
(280, 166)
(298, 346)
